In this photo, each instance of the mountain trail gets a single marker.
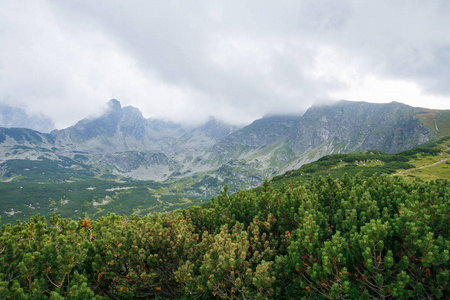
(422, 167)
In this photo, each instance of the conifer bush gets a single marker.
(347, 238)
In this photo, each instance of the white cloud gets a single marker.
(379, 90)
(236, 61)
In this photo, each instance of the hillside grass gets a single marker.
(430, 167)
(429, 161)
(437, 121)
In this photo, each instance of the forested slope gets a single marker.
(352, 237)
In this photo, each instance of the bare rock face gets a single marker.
(358, 126)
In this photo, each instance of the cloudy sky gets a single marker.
(234, 60)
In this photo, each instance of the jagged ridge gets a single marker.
(123, 142)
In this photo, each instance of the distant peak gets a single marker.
(132, 113)
(114, 104)
(395, 103)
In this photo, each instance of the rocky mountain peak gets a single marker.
(132, 113)
(114, 104)
(133, 122)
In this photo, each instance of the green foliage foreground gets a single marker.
(353, 238)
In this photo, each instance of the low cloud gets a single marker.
(186, 61)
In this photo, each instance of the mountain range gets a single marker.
(122, 143)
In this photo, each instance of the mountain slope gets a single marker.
(157, 165)
(354, 126)
(122, 143)
(281, 143)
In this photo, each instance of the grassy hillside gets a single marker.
(436, 120)
(429, 161)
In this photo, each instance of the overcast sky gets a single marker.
(234, 60)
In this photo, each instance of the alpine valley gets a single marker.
(124, 163)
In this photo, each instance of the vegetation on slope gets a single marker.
(429, 161)
(46, 186)
(49, 186)
(437, 121)
(352, 237)
(88, 198)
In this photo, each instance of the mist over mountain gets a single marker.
(125, 129)
(121, 142)
(16, 117)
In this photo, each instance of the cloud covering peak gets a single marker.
(235, 60)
